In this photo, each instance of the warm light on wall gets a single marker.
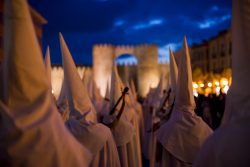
(104, 80)
(151, 81)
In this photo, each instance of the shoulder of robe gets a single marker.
(123, 132)
(228, 146)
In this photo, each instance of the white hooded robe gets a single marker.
(229, 145)
(82, 123)
(32, 132)
(184, 133)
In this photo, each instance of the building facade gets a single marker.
(214, 55)
(200, 57)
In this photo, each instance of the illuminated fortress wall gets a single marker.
(57, 78)
(103, 56)
(147, 69)
(146, 73)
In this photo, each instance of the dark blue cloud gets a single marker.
(164, 22)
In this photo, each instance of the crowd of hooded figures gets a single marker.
(211, 108)
(81, 128)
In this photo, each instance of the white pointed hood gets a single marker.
(184, 133)
(79, 101)
(83, 73)
(48, 66)
(116, 87)
(20, 82)
(123, 131)
(229, 146)
(173, 72)
(173, 81)
(129, 99)
(237, 103)
(106, 102)
(184, 100)
(62, 95)
(62, 103)
(133, 90)
(158, 93)
(131, 95)
(28, 113)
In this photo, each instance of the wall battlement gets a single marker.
(57, 76)
(104, 56)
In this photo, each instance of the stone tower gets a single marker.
(147, 68)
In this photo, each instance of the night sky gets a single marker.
(164, 22)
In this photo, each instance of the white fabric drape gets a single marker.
(32, 132)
